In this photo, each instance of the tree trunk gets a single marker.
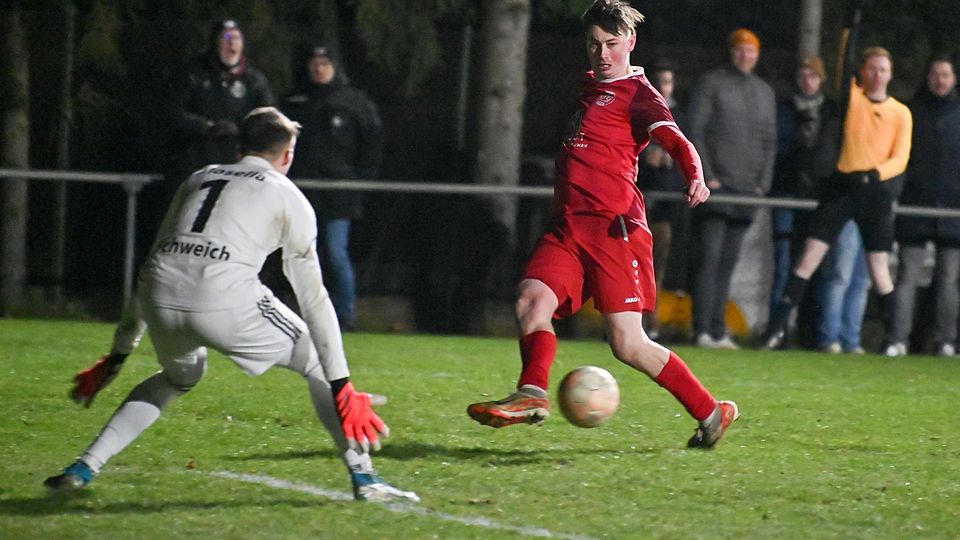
(58, 245)
(503, 88)
(16, 134)
(811, 17)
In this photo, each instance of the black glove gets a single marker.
(859, 178)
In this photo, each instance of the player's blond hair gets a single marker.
(613, 16)
(266, 130)
(870, 52)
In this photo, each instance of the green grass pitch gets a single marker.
(827, 447)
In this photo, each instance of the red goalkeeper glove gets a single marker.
(90, 381)
(361, 425)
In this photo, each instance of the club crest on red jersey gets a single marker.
(605, 99)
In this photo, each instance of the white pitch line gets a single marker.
(399, 508)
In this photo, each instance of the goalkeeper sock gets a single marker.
(677, 379)
(537, 352)
(140, 410)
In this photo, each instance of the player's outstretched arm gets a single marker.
(687, 159)
(89, 382)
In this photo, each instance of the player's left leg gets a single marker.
(836, 207)
(184, 363)
(631, 346)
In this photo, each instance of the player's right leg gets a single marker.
(530, 404)
(184, 363)
(776, 333)
(274, 335)
(836, 207)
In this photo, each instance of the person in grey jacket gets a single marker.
(733, 125)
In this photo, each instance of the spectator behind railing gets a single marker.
(808, 135)
(876, 147)
(933, 179)
(209, 100)
(734, 127)
(657, 172)
(341, 139)
(216, 91)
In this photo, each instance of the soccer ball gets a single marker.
(588, 396)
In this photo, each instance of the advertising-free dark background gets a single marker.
(445, 250)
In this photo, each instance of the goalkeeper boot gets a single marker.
(369, 486)
(74, 477)
(528, 405)
(712, 429)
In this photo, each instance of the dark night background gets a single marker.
(403, 245)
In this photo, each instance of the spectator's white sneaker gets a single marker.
(833, 348)
(704, 340)
(947, 349)
(896, 349)
(726, 343)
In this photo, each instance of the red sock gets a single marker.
(537, 351)
(677, 378)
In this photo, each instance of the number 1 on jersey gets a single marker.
(215, 186)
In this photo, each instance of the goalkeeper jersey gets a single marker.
(222, 224)
(216, 235)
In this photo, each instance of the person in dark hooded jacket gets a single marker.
(209, 98)
(341, 139)
(215, 93)
(933, 179)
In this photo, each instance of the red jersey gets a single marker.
(597, 167)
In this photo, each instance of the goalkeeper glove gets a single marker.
(90, 381)
(361, 425)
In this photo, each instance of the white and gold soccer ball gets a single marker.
(588, 396)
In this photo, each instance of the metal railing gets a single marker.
(134, 183)
(131, 183)
(546, 191)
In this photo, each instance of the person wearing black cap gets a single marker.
(341, 139)
(217, 90)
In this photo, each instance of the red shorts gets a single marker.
(587, 257)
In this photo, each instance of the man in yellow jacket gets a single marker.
(876, 147)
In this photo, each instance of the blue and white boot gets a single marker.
(369, 486)
(74, 477)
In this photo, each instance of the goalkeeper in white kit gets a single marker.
(199, 288)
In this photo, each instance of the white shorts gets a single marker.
(255, 336)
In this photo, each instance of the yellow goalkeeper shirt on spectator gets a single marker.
(876, 135)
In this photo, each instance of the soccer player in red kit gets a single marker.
(601, 247)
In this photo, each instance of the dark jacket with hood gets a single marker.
(210, 101)
(933, 174)
(340, 139)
